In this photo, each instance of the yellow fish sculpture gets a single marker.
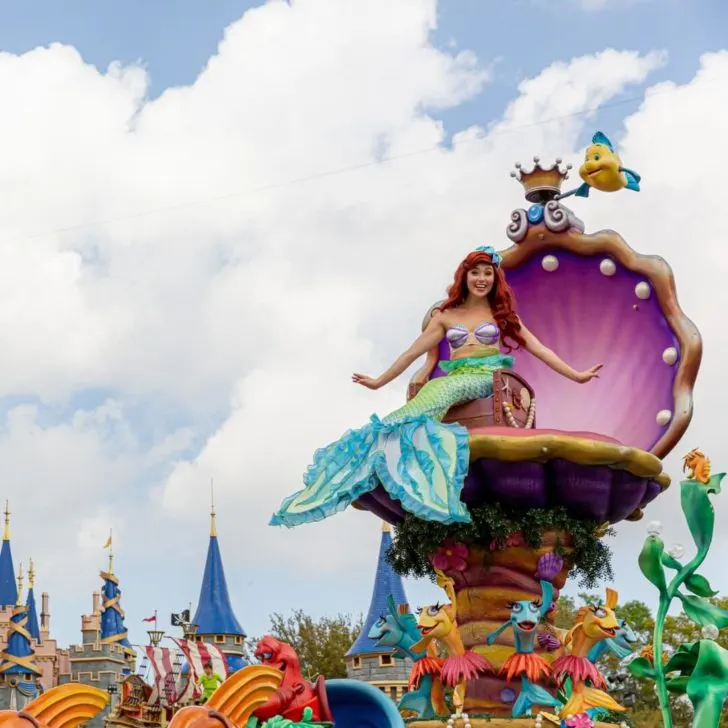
(602, 169)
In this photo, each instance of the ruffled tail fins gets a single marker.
(584, 698)
(419, 461)
(530, 695)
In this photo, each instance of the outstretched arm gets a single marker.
(554, 361)
(425, 342)
(490, 639)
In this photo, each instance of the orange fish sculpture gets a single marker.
(65, 706)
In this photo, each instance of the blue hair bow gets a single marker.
(490, 250)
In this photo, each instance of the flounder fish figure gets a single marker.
(602, 169)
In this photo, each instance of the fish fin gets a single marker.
(574, 705)
(522, 706)
(601, 138)
(633, 179)
(538, 695)
(582, 191)
(594, 698)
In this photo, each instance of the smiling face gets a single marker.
(600, 623)
(434, 621)
(601, 168)
(526, 615)
(480, 280)
(385, 632)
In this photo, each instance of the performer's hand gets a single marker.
(589, 374)
(365, 381)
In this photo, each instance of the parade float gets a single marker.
(558, 374)
(500, 501)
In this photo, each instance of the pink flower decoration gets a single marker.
(514, 540)
(451, 557)
(580, 721)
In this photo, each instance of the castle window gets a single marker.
(238, 640)
(385, 661)
(356, 663)
(219, 639)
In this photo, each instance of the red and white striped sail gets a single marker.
(164, 689)
(197, 654)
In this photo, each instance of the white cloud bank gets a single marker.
(215, 337)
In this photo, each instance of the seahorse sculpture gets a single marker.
(697, 466)
(524, 662)
(439, 622)
(398, 629)
(594, 623)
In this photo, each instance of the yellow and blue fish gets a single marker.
(602, 169)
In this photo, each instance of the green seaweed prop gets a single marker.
(305, 722)
(699, 670)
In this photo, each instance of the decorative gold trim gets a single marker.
(656, 270)
(579, 450)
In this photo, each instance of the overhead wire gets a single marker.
(357, 167)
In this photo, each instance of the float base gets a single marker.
(493, 723)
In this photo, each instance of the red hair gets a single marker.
(501, 299)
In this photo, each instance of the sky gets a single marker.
(198, 244)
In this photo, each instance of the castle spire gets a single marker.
(8, 586)
(19, 656)
(386, 582)
(113, 630)
(214, 615)
(33, 625)
(19, 601)
(213, 525)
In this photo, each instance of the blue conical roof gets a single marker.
(19, 655)
(113, 629)
(33, 625)
(8, 587)
(386, 582)
(214, 613)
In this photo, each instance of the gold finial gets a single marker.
(213, 526)
(541, 184)
(110, 545)
(20, 585)
(31, 575)
(6, 532)
(386, 528)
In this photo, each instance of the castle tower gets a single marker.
(8, 587)
(33, 625)
(19, 674)
(105, 657)
(215, 620)
(113, 630)
(365, 661)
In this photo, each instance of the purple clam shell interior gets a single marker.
(590, 318)
(587, 492)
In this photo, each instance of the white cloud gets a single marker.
(226, 325)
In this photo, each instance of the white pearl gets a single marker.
(677, 551)
(607, 267)
(710, 632)
(663, 417)
(654, 528)
(550, 263)
(669, 356)
(642, 290)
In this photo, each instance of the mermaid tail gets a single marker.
(419, 701)
(531, 695)
(420, 461)
(583, 699)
